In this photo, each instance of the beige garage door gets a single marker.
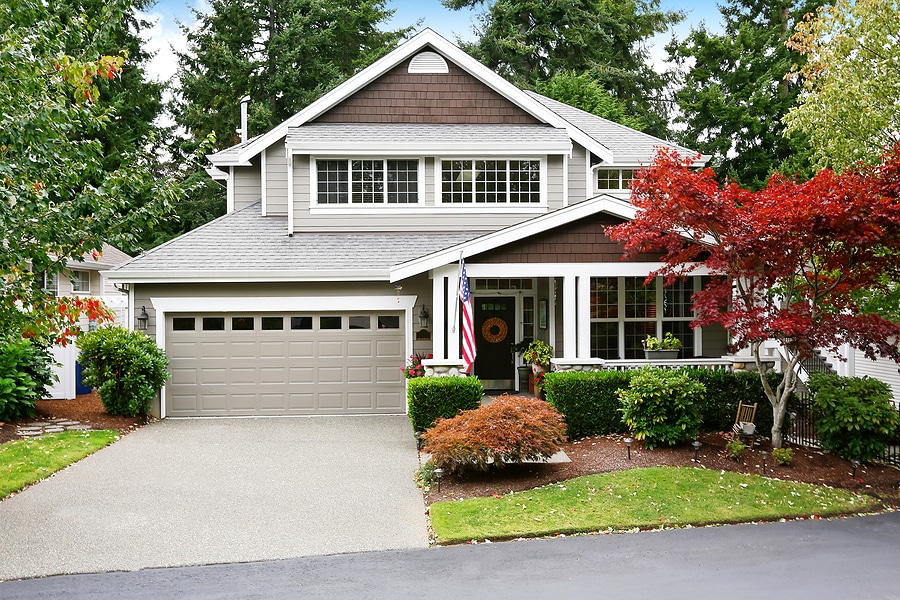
(285, 364)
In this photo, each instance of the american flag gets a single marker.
(468, 320)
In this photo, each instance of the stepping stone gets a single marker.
(24, 430)
(27, 434)
(67, 423)
(78, 427)
(36, 424)
(54, 429)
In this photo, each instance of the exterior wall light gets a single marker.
(143, 319)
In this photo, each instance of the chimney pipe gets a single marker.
(245, 102)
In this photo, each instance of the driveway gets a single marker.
(202, 491)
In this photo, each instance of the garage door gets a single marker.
(285, 364)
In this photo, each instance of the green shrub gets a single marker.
(588, 400)
(510, 429)
(855, 416)
(126, 367)
(431, 398)
(724, 389)
(660, 406)
(24, 376)
(734, 448)
(783, 456)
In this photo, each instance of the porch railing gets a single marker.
(697, 363)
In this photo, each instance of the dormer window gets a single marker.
(367, 181)
(490, 181)
(614, 179)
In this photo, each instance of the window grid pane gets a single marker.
(677, 299)
(490, 182)
(456, 181)
(367, 177)
(332, 181)
(608, 179)
(640, 300)
(635, 333)
(524, 181)
(605, 340)
(604, 297)
(403, 181)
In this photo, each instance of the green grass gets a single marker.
(637, 498)
(23, 462)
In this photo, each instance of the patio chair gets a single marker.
(744, 423)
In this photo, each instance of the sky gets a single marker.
(165, 32)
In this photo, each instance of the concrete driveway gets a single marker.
(202, 491)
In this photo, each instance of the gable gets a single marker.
(454, 97)
(582, 241)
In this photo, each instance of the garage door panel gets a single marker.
(289, 371)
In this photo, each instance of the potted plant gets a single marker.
(666, 348)
(538, 354)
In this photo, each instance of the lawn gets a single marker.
(23, 462)
(637, 498)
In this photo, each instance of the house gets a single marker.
(83, 277)
(339, 255)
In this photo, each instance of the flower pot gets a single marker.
(661, 354)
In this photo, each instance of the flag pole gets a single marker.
(458, 287)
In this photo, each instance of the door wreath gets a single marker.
(494, 330)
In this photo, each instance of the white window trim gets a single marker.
(626, 191)
(75, 278)
(363, 208)
(504, 207)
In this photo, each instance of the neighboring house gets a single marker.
(346, 225)
(84, 278)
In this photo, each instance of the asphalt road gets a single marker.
(845, 558)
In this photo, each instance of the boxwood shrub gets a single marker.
(24, 376)
(432, 397)
(588, 400)
(661, 406)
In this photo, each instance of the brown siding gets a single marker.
(402, 97)
(583, 241)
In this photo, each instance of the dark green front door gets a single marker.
(495, 332)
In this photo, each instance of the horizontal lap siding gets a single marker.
(247, 185)
(577, 176)
(276, 179)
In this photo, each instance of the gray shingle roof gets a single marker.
(425, 136)
(246, 242)
(625, 143)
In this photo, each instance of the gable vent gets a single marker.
(428, 62)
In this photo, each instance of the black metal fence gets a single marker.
(801, 429)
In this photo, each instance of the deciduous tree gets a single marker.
(787, 257)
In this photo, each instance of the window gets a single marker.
(329, 322)
(301, 322)
(242, 324)
(272, 323)
(388, 322)
(614, 179)
(360, 323)
(490, 181)
(183, 324)
(81, 281)
(367, 181)
(213, 323)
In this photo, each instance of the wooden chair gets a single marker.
(746, 414)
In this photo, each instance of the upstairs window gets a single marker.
(81, 281)
(490, 181)
(367, 181)
(614, 179)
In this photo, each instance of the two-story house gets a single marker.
(339, 254)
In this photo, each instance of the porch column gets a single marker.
(570, 316)
(584, 317)
(453, 309)
(439, 326)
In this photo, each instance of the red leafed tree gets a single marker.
(787, 257)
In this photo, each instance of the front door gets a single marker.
(495, 332)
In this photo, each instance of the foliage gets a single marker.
(588, 400)
(30, 460)
(659, 497)
(583, 91)
(724, 390)
(414, 366)
(660, 407)
(793, 252)
(783, 456)
(669, 342)
(58, 191)
(732, 95)
(431, 398)
(850, 81)
(539, 352)
(510, 429)
(734, 448)
(24, 376)
(529, 42)
(126, 367)
(856, 418)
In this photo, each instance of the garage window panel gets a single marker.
(213, 323)
(359, 322)
(301, 322)
(272, 323)
(243, 323)
(183, 324)
(329, 322)
(388, 322)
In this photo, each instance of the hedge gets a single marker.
(589, 400)
(430, 398)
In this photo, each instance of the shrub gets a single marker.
(734, 448)
(126, 367)
(588, 400)
(24, 376)
(660, 407)
(855, 416)
(783, 456)
(430, 398)
(724, 389)
(510, 429)
(538, 352)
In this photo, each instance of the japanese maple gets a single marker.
(787, 259)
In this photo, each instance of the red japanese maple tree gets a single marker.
(787, 257)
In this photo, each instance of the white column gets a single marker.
(440, 324)
(584, 317)
(453, 309)
(570, 319)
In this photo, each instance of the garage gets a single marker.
(322, 363)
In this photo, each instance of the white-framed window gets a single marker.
(614, 179)
(490, 181)
(366, 181)
(81, 281)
